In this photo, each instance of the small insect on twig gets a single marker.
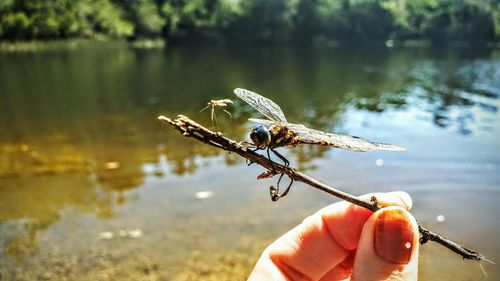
(213, 104)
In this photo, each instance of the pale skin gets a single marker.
(347, 242)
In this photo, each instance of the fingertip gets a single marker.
(394, 235)
(388, 246)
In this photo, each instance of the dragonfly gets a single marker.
(276, 131)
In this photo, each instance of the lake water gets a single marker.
(94, 187)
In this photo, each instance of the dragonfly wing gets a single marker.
(264, 122)
(266, 106)
(352, 143)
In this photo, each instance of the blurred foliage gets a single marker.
(304, 21)
(40, 19)
(443, 21)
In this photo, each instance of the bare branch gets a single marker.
(190, 128)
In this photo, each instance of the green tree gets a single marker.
(307, 21)
(263, 21)
(16, 25)
(109, 19)
(443, 20)
(206, 18)
(145, 16)
(349, 21)
(358, 21)
(43, 19)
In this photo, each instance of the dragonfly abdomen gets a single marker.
(282, 136)
(318, 142)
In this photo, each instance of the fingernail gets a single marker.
(394, 236)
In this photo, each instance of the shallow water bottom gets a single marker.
(183, 237)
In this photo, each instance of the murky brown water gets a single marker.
(93, 187)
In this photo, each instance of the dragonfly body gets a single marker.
(276, 135)
(304, 135)
(276, 132)
(284, 133)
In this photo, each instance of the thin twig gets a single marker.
(190, 128)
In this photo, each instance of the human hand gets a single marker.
(344, 241)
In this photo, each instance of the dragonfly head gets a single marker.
(260, 136)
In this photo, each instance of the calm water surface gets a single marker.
(93, 187)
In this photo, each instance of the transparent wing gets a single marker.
(352, 143)
(266, 106)
(267, 123)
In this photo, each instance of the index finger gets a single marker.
(321, 242)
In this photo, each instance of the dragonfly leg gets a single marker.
(269, 158)
(287, 163)
(287, 189)
(279, 180)
(274, 191)
(248, 161)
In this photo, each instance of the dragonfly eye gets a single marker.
(260, 136)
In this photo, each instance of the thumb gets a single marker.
(388, 247)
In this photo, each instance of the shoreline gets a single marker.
(158, 43)
(71, 44)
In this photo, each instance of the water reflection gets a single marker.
(34, 203)
(78, 128)
(449, 90)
